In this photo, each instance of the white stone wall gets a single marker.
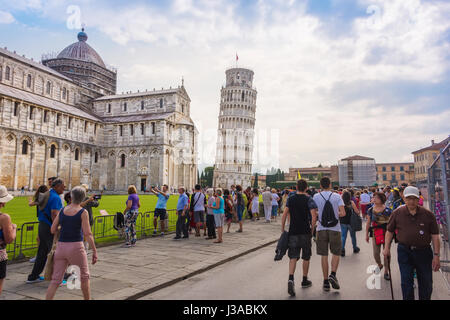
(237, 118)
(167, 156)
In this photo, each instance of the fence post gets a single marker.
(445, 188)
(21, 242)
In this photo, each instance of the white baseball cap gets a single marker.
(4, 195)
(411, 192)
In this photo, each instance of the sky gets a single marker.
(334, 78)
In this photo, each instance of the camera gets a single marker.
(97, 197)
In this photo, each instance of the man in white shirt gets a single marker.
(267, 201)
(329, 236)
(365, 201)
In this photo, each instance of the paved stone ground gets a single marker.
(122, 273)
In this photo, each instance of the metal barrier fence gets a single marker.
(104, 225)
(439, 194)
(103, 228)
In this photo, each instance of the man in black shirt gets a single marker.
(302, 212)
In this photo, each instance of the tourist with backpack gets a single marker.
(350, 209)
(328, 235)
(377, 221)
(240, 205)
(299, 209)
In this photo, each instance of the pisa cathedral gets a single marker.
(62, 117)
(236, 130)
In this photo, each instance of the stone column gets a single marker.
(30, 178)
(16, 159)
(45, 162)
(69, 183)
(58, 162)
(138, 177)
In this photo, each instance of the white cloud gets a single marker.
(300, 68)
(6, 17)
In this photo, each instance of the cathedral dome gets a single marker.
(82, 51)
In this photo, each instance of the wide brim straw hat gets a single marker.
(4, 195)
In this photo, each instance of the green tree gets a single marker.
(319, 176)
(255, 184)
(208, 176)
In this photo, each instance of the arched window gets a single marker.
(161, 103)
(7, 73)
(122, 161)
(1, 73)
(64, 93)
(142, 105)
(125, 106)
(77, 154)
(52, 151)
(29, 81)
(49, 87)
(243, 96)
(24, 147)
(96, 157)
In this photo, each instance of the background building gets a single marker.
(236, 130)
(394, 174)
(423, 158)
(313, 174)
(63, 118)
(357, 171)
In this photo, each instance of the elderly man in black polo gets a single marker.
(416, 229)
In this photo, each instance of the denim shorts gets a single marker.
(274, 210)
(240, 211)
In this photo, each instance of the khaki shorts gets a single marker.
(328, 238)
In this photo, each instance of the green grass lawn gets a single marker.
(103, 229)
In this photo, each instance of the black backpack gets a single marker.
(328, 217)
(119, 221)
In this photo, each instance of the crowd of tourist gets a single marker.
(326, 216)
(330, 215)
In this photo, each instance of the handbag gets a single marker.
(355, 222)
(48, 271)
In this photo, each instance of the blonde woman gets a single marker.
(275, 199)
(70, 250)
(130, 213)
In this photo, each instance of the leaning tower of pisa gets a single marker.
(236, 130)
